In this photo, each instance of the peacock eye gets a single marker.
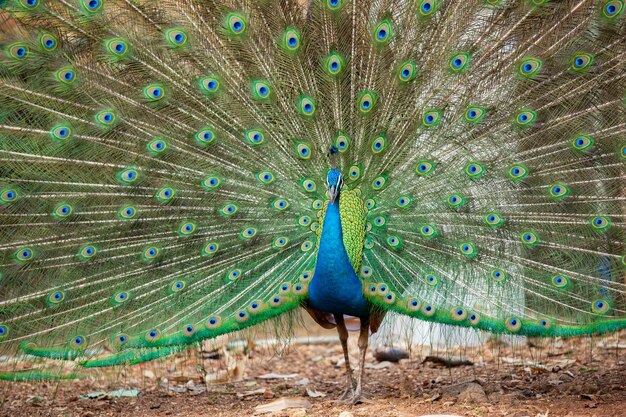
(582, 142)
(176, 37)
(105, 118)
(306, 107)
(334, 4)
(56, 297)
(529, 238)
(48, 42)
(280, 204)
(600, 223)
(127, 212)
(431, 118)
(612, 9)
(600, 307)
(30, 4)
(61, 133)
(378, 183)
(303, 150)
(468, 249)
(513, 324)
(581, 62)
(209, 85)
(18, 51)
(211, 183)
(157, 146)
(152, 335)
(255, 137)
(424, 167)
(248, 233)
(229, 209)
(456, 200)
(383, 32)
(525, 117)
(205, 137)
(560, 281)
(260, 90)
(459, 62)
(87, 252)
(128, 176)
(459, 313)
(354, 172)
(151, 253)
(559, 191)
(334, 64)
(517, 172)
(117, 47)
(309, 185)
(236, 24)
(528, 68)
(427, 7)
(394, 242)
(474, 114)
(24, 254)
(187, 229)
(92, 6)
(428, 231)
(291, 40)
(280, 242)
(366, 101)
(154, 92)
(407, 71)
(379, 143)
(474, 170)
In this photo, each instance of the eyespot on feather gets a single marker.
(459, 62)
(383, 32)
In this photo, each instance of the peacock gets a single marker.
(173, 171)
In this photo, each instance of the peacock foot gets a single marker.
(350, 398)
(348, 394)
(353, 395)
(359, 398)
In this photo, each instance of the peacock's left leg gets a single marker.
(343, 337)
(363, 341)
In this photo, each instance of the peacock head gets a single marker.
(334, 180)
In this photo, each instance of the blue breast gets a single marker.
(335, 288)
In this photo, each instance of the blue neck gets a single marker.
(335, 288)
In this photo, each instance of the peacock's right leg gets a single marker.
(363, 342)
(343, 337)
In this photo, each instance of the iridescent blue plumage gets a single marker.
(335, 288)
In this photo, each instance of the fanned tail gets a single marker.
(161, 165)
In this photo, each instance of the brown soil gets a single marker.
(581, 377)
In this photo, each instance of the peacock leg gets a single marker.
(363, 341)
(343, 337)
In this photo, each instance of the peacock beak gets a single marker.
(333, 192)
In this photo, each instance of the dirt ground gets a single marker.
(582, 377)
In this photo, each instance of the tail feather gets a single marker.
(161, 165)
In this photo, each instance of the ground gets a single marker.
(581, 377)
